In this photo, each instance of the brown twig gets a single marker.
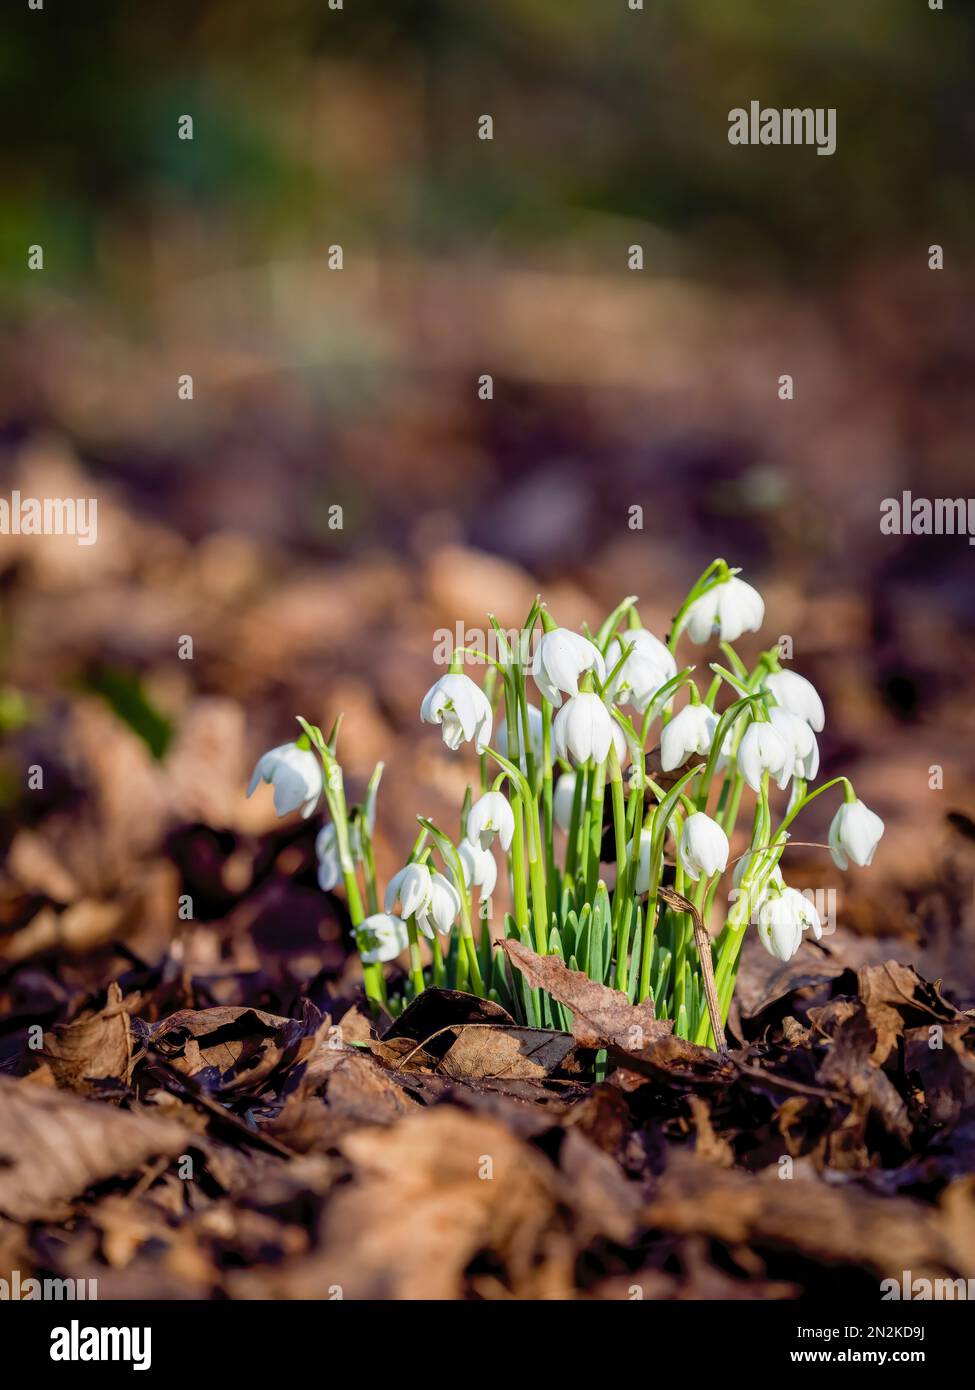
(702, 941)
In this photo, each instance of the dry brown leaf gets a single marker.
(601, 1017)
(94, 1047)
(54, 1145)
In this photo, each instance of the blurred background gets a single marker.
(316, 387)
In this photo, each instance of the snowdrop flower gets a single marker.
(641, 882)
(703, 847)
(729, 608)
(561, 657)
(479, 866)
(491, 815)
(563, 796)
(327, 852)
(411, 887)
(794, 693)
(761, 750)
(782, 918)
(294, 773)
(381, 938)
(535, 734)
(441, 909)
(854, 834)
(428, 896)
(801, 748)
(690, 731)
(461, 708)
(583, 728)
(648, 667)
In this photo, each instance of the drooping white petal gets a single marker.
(649, 666)
(491, 815)
(381, 937)
(761, 750)
(854, 834)
(296, 776)
(329, 863)
(560, 659)
(563, 796)
(411, 887)
(442, 908)
(583, 728)
(461, 708)
(703, 847)
(802, 750)
(690, 731)
(799, 696)
(780, 923)
(641, 883)
(479, 866)
(728, 608)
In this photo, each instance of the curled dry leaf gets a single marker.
(601, 1017)
(228, 1049)
(94, 1047)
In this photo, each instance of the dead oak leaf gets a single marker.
(93, 1047)
(601, 1017)
(54, 1145)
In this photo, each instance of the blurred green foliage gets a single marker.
(308, 119)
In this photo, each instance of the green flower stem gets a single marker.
(519, 880)
(439, 967)
(548, 826)
(575, 824)
(416, 965)
(595, 827)
(669, 804)
(622, 888)
(334, 789)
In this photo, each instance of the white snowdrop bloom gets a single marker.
(535, 734)
(411, 887)
(703, 847)
(479, 866)
(461, 708)
(648, 667)
(761, 750)
(641, 883)
(782, 918)
(441, 909)
(801, 748)
(561, 657)
(294, 773)
(327, 852)
(799, 696)
(563, 796)
(854, 834)
(491, 815)
(583, 728)
(690, 731)
(729, 609)
(381, 938)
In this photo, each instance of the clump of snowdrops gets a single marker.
(562, 726)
